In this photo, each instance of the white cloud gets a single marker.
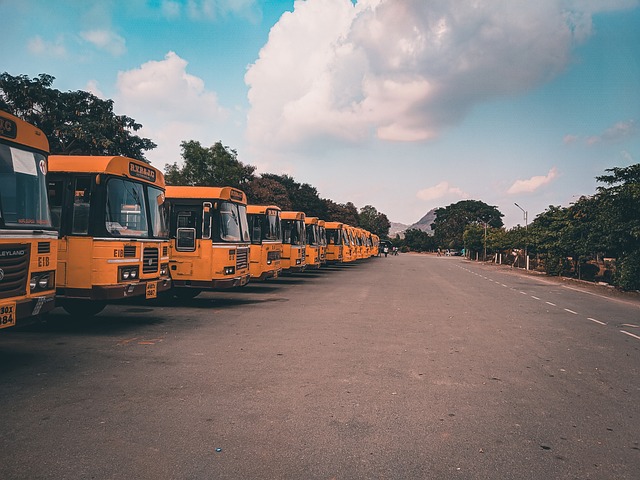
(38, 46)
(106, 40)
(172, 104)
(533, 183)
(619, 131)
(401, 70)
(92, 87)
(441, 190)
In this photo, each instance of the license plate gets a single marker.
(7, 314)
(152, 290)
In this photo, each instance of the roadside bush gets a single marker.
(629, 271)
(589, 271)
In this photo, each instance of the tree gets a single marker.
(418, 240)
(303, 197)
(77, 123)
(266, 191)
(209, 166)
(339, 212)
(375, 222)
(451, 221)
(619, 216)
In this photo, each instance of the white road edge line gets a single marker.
(552, 304)
(597, 321)
(630, 334)
(535, 297)
(570, 311)
(524, 293)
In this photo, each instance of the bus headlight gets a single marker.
(127, 273)
(164, 269)
(229, 270)
(42, 281)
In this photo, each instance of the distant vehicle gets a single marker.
(453, 253)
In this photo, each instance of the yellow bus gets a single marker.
(209, 239)
(349, 251)
(28, 241)
(113, 231)
(335, 238)
(312, 242)
(322, 233)
(265, 228)
(293, 242)
(375, 244)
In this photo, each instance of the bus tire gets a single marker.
(87, 308)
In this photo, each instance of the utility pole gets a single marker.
(526, 234)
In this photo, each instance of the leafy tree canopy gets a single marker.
(303, 197)
(266, 191)
(209, 166)
(375, 222)
(342, 212)
(76, 123)
(451, 221)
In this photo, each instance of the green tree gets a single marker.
(74, 122)
(375, 222)
(341, 212)
(266, 191)
(303, 197)
(209, 166)
(452, 220)
(418, 240)
(619, 218)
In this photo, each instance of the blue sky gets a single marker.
(405, 105)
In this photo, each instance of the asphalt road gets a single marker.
(411, 366)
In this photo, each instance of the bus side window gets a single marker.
(81, 198)
(56, 189)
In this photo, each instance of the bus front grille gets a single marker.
(14, 269)
(273, 255)
(242, 258)
(150, 260)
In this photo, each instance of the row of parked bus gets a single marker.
(83, 231)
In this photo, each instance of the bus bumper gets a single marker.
(114, 292)
(214, 284)
(27, 310)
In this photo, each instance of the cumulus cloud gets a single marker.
(441, 190)
(38, 46)
(105, 40)
(402, 70)
(172, 104)
(533, 183)
(92, 87)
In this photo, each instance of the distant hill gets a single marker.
(423, 224)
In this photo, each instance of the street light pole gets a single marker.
(526, 231)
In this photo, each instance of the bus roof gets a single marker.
(17, 130)
(311, 220)
(333, 225)
(261, 209)
(292, 215)
(115, 165)
(206, 193)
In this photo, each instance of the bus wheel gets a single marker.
(186, 293)
(87, 308)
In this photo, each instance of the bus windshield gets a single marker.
(293, 232)
(23, 189)
(312, 235)
(233, 222)
(126, 210)
(271, 229)
(333, 237)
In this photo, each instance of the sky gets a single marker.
(406, 105)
